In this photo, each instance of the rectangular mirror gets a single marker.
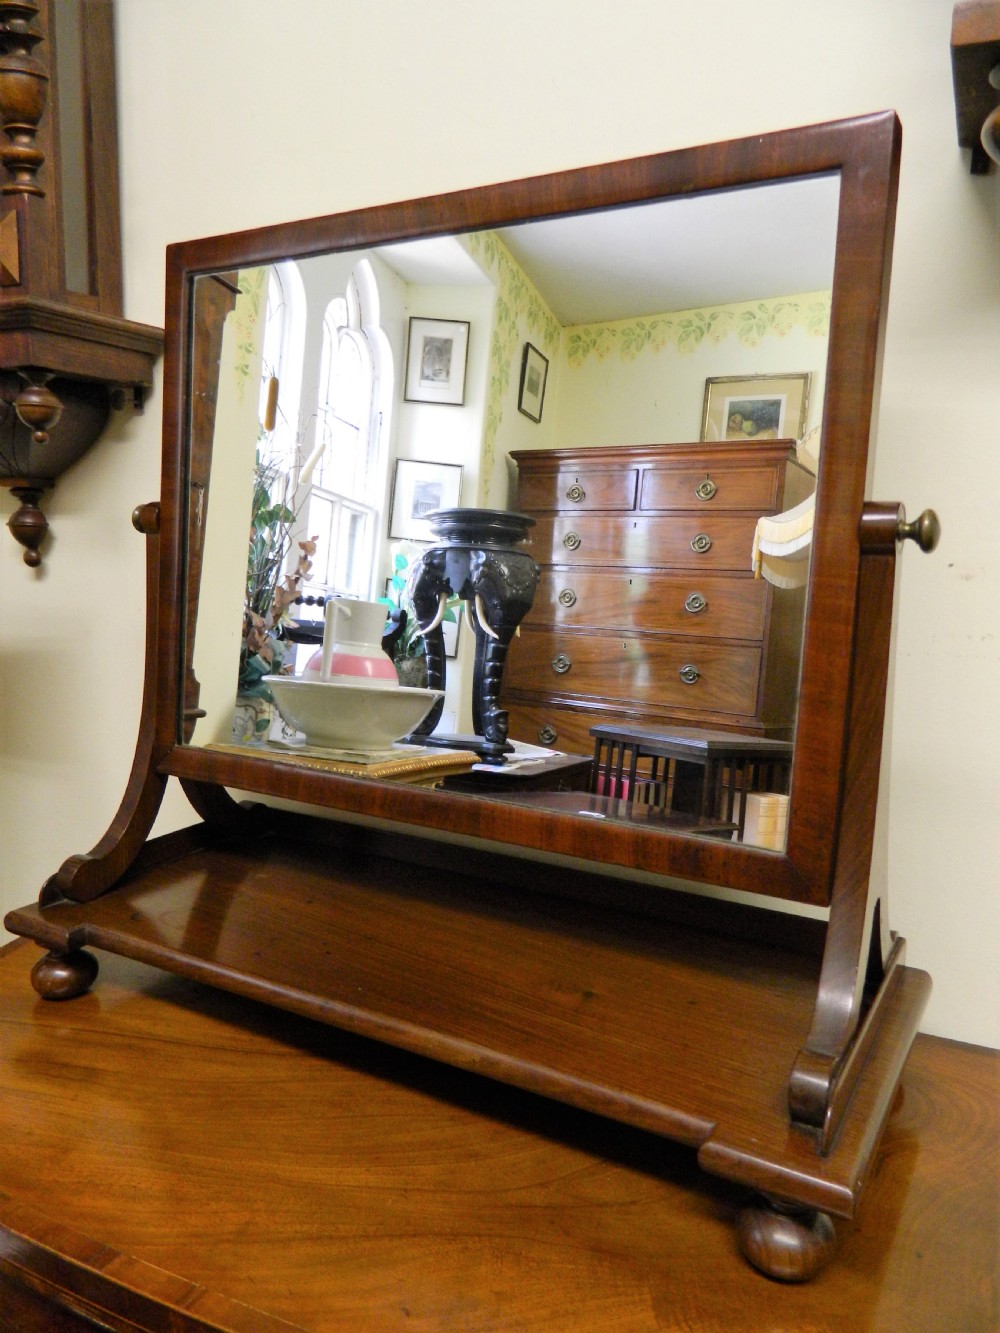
(754, 268)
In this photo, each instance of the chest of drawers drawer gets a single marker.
(710, 487)
(689, 541)
(566, 729)
(580, 488)
(725, 606)
(700, 675)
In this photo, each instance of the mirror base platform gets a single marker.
(665, 1025)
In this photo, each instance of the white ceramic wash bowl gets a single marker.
(348, 714)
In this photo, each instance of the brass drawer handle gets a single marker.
(695, 603)
(576, 493)
(689, 673)
(571, 541)
(547, 734)
(561, 664)
(701, 543)
(706, 489)
(567, 597)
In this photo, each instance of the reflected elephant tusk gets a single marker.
(481, 617)
(438, 615)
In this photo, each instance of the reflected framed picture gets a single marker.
(418, 489)
(436, 355)
(758, 407)
(534, 372)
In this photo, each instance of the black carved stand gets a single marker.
(477, 559)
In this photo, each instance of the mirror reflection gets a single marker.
(646, 383)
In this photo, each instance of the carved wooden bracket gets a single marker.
(66, 352)
(975, 65)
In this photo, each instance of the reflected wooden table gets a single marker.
(687, 769)
(175, 1158)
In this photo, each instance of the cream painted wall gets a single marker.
(229, 119)
(657, 396)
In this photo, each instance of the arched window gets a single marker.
(342, 482)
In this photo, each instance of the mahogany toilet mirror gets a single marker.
(546, 949)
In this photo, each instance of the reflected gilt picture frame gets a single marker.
(437, 353)
(756, 407)
(534, 373)
(418, 488)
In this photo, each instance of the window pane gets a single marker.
(320, 525)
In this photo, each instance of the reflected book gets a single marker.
(415, 764)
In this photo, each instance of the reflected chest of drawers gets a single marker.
(647, 610)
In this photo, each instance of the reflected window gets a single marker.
(343, 479)
(323, 428)
(281, 361)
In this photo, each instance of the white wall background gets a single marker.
(239, 112)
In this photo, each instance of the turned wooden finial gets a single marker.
(39, 409)
(28, 524)
(24, 90)
(37, 406)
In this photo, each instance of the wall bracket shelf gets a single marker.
(975, 54)
(67, 355)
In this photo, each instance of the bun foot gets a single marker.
(64, 976)
(785, 1240)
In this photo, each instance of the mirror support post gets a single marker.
(88, 875)
(860, 954)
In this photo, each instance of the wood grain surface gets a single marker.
(672, 1029)
(175, 1158)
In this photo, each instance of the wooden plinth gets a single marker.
(685, 1033)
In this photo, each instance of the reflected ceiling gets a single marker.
(758, 242)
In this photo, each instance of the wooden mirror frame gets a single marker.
(864, 153)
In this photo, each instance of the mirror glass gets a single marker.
(319, 415)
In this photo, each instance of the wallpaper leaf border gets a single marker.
(686, 330)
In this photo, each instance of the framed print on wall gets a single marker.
(437, 351)
(418, 489)
(755, 407)
(534, 372)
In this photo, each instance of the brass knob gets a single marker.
(701, 543)
(567, 597)
(706, 489)
(576, 493)
(689, 673)
(561, 664)
(925, 530)
(547, 734)
(694, 603)
(571, 541)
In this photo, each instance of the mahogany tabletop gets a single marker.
(176, 1158)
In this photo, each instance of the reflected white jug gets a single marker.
(352, 644)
